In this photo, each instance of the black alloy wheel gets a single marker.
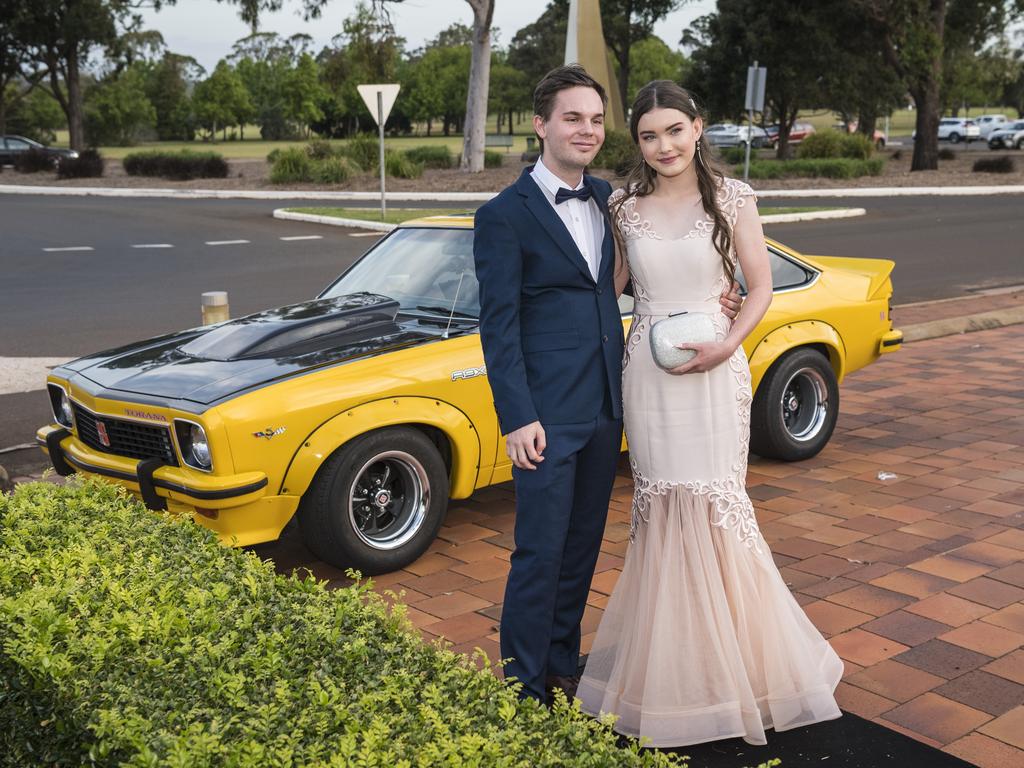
(377, 503)
(796, 407)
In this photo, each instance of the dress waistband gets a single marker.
(666, 308)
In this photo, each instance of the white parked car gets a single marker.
(957, 129)
(989, 123)
(1009, 136)
(732, 135)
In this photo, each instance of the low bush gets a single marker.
(291, 165)
(364, 149)
(1002, 164)
(832, 144)
(493, 159)
(399, 165)
(88, 165)
(897, 155)
(335, 170)
(733, 155)
(179, 166)
(831, 168)
(320, 149)
(134, 638)
(617, 153)
(947, 154)
(33, 161)
(437, 156)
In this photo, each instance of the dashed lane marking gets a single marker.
(227, 242)
(69, 248)
(153, 245)
(304, 237)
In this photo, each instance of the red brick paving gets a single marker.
(918, 581)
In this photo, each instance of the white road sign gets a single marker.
(388, 93)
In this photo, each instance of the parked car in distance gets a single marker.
(732, 135)
(989, 123)
(957, 129)
(878, 138)
(362, 412)
(797, 133)
(1009, 136)
(12, 146)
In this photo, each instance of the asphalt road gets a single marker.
(60, 303)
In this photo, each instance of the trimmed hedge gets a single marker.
(179, 166)
(134, 638)
(33, 161)
(831, 168)
(1002, 164)
(437, 156)
(88, 165)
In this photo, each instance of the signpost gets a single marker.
(379, 99)
(754, 102)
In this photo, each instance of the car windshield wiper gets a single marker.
(445, 311)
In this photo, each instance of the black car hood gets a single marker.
(204, 365)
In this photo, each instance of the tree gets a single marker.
(509, 92)
(538, 48)
(221, 100)
(916, 36)
(652, 59)
(117, 110)
(35, 114)
(304, 93)
(19, 76)
(167, 87)
(627, 22)
(473, 135)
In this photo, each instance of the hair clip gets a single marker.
(692, 104)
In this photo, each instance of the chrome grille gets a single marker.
(127, 438)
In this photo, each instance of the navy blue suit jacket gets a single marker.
(551, 334)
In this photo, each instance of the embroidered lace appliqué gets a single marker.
(636, 334)
(632, 224)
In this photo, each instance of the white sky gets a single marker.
(206, 29)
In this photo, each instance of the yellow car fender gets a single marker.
(779, 341)
(389, 412)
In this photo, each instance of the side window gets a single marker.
(17, 145)
(786, 274)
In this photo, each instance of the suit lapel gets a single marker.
(607, 243)
(541, 209)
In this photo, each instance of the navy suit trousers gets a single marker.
(561, 508)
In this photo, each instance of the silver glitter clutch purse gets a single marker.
(684, 328)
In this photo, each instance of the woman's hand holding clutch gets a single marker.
(708, 355)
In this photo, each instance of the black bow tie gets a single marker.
(584, 193)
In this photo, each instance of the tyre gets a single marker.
(377, 503)
(954, 138)
(795, 408)
(879, 144)
(1020, 143)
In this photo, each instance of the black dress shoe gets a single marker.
(565, 683)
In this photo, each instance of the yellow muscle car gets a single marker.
(366, 409)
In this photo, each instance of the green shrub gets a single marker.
(734, 155)
(435, 156)
(335, 170)
(398, 164)
(829, 144)
(947, 154)
(34, 161)
(832, 168)
(364, 149)
(291, 165)
(273, 154)
(180, 166)
(88, 165)
(320, 149)
(617, 153)
(492, 159)
(134, 638)
(1002, 164)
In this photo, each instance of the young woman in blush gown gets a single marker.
(701, 639)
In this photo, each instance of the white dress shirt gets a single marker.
(582, 218)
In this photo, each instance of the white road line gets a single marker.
(25, 374)
(304, 237)
(365, 234)
(227, 242)
(153, 245)
(69, 248)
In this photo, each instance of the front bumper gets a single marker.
(154, 481)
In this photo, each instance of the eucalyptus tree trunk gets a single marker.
(479, 79)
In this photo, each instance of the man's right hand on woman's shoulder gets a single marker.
(525, 446)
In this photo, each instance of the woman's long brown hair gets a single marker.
(640, 177)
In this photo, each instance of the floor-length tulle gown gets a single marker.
(701, 639)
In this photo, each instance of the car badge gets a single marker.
(101, 430)
(269, 432)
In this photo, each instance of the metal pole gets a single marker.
(380, 127)
(750, 142)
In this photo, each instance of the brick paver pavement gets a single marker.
(918, 581)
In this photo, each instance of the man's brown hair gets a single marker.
(560, 79)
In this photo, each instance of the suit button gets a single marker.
(605, 338)
(599, 291)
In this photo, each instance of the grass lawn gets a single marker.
(398, 215)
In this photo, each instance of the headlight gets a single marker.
(61, 406)
(194, 447)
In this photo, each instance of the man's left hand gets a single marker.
(731, 301)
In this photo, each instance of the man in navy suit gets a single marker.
(552, 337)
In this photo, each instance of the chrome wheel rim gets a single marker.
(388, 500)
(804, 404)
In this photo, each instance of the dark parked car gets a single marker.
(12, 146)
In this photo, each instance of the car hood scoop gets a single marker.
(297, 328)
(206, 365)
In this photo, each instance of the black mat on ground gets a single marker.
(847, 742)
